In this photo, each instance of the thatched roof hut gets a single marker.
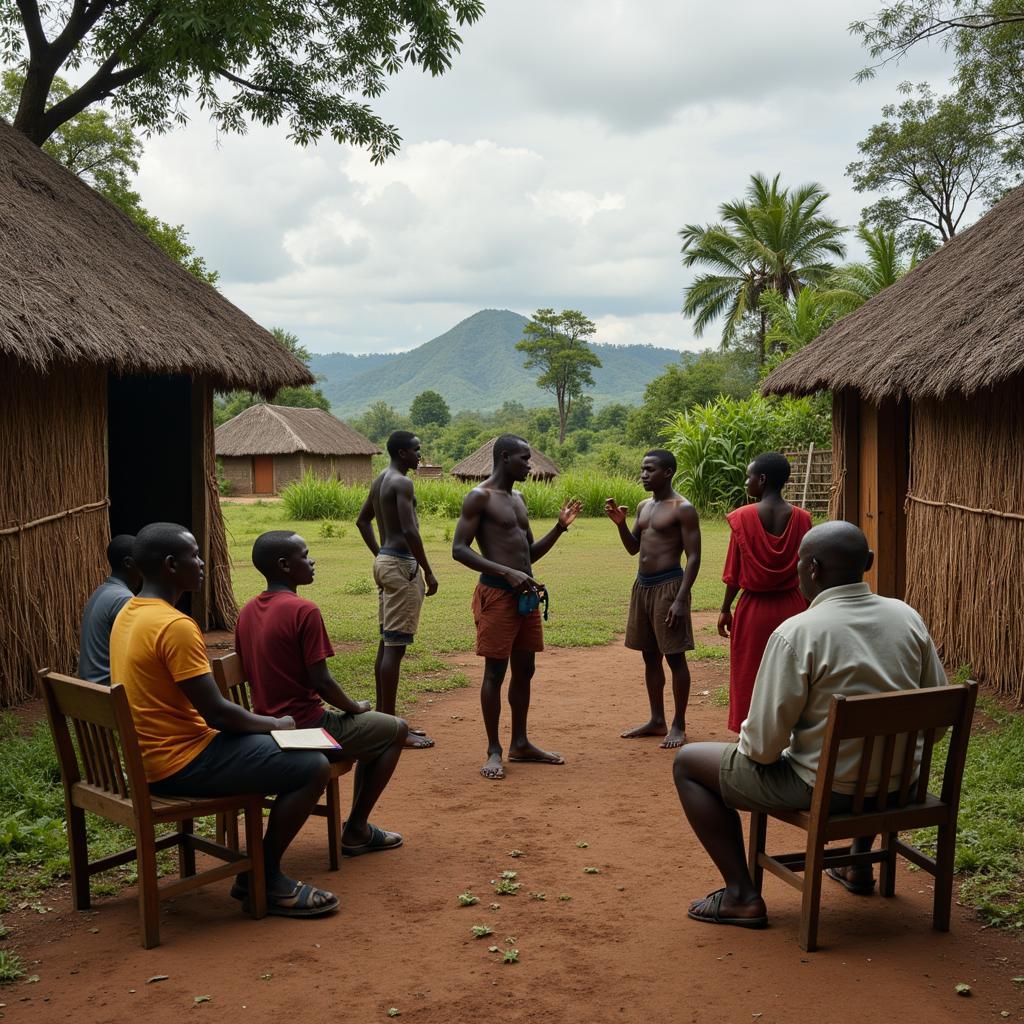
(928, 438)
(480, 464)
(267, 446)
(110, 353)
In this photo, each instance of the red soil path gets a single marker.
(620, 950)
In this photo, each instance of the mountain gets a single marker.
(475, 365)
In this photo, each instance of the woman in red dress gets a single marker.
(761, 562)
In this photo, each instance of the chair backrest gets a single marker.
(905, 723)
(108, 755)
(230, 677)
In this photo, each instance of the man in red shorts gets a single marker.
(507, 629)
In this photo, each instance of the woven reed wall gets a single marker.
(223, 609)
(964, 568)
(52, 460)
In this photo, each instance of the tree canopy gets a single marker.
(310, 63)
(429, 408)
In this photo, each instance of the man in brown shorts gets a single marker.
(397, 561)
(659, 625)
(508, 629)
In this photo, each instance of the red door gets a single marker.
(263, 474)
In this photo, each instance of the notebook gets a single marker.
(305, 739)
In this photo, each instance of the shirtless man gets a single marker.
(659, 608)
(495, 516)
(397, 561)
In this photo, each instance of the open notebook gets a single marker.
(305, 739)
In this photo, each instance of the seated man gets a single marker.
(284, 648)
(849, 641)
(102, 607)
(194, 742)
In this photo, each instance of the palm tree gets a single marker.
(884, 266)
(773, 238)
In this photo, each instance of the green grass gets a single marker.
(11, 967)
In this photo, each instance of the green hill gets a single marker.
(475, 365)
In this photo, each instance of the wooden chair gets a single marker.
(105, 777)
(898, 720)
(235, 687)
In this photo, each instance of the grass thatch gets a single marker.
(82, 285)
(963, 567)
(281, 430)
(953, 325)
(480, 464)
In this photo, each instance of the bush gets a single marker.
(714, 443)
(312, 498)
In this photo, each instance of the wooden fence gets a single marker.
(810, 483)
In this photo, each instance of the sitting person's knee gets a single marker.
(320, 771)
(403, 731)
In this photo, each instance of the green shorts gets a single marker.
(748, 786)
(362, 737)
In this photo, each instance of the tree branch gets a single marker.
(38, 44)
(246, 84)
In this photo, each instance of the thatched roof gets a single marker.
(480, 464)
(281, 430)
(81, 284)
(953, 325)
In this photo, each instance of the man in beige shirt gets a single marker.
(850, 642)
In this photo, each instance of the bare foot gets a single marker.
(651, 728)
(418, 740)
(675, 738)
(493, 768)
(532, 753)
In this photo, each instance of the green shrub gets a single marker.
(11, 967)
(312, 498)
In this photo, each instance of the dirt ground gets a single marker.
(620, 950)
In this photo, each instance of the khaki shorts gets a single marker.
(646, 629)
(362, 737)
(401, 590)
(746, 785)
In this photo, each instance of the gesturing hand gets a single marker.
(615, 512)
(570, 510)
(519, 581)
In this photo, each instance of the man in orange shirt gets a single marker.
(193, 741)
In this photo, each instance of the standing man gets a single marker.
(101, 609)
(505, 603)
(659, 624)
(397, 561)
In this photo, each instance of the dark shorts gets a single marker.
(232, 764)
(746, 785)
(646, 629)
(500, 629)
(362, 737)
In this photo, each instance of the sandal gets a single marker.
(297, 903)
(379, 840)
(857, 888)
(710, 912)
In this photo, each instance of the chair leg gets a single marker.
(810, 904)
(755, 845)
(944, 862)
(186, 853)
(887, 871)
(78, 851)
(149, 895)
(334, 823)
(254, 849)
(220, 829)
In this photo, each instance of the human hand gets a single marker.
(570, 510)
(520, 581)
(615, 512)
(676, 612)
(431, 581)
(725, 624)
(360, 707)
(285, 723)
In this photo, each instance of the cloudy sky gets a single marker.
(552, 166)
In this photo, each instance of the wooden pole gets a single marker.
(807, 476)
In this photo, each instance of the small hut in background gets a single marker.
(265, 447)
(928, 439)
(109, 356)
(480, 464)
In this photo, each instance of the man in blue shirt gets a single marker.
(102, 607)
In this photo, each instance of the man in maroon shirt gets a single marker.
(284, 648)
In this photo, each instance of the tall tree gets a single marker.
(775, 238)
(311, 63)
(884, 265)
(429, 409)
(104, 151)
(932, 158)
(556, 343)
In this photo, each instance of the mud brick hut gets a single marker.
(480, 464)
(109, 356)
(265, 447)
(928, 439)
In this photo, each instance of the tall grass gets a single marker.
(311, 498)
